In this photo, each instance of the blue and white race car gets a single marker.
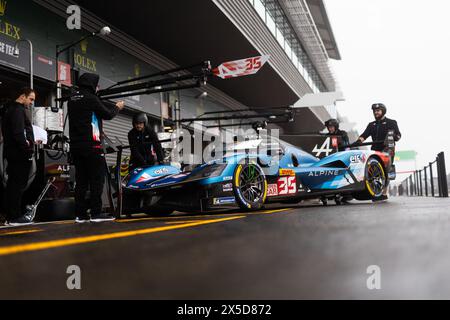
(248, 179)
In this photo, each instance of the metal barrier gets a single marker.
(427, 182)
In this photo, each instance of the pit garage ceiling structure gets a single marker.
(174, 32)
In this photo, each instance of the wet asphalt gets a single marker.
(302, 252)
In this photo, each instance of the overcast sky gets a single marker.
(397, 52)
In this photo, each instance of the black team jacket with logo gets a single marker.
(86, 115)
(379, 130)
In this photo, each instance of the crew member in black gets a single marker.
(343, 141)
(86, 112)
(334, 130)
(380, 128)
(19, 149)
(146, 149)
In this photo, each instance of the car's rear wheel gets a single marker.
(250, 186)
(375, 181)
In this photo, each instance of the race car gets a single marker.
(248, 179)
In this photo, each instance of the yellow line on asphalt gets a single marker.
(63, 222)
(14, 233)
(10, 250)
(203, 216)
(176, 217)
(143, 219)
(274, 211)
(183, 222)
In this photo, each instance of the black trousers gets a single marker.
(18, 174)
(90, 174)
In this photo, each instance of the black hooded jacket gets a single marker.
(86, 115)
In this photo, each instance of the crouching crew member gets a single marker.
(86, 115)
(146, 149)
(19, 150)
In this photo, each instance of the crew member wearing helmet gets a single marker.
(342, 137)
(146, 149)
(380, 128)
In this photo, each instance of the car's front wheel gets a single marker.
(375, 181)
(250, 186)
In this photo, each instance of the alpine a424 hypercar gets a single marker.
(249, 180)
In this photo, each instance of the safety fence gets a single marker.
(431, 181)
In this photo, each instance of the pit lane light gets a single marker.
(105, 31)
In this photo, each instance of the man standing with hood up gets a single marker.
(86, 115)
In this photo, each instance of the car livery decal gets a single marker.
(287, 186)
(144, 178)
(225, 200)
(161, 171)
(358, 158)
(272, 190)
(227, 187)
(286, 172)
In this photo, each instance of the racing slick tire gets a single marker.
(250, 186)
(375, 181)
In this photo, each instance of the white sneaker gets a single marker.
(20, 222)
(82, 220)
(102, 218)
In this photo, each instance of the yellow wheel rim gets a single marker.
(368, 185)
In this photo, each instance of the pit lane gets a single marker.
(303, 252)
